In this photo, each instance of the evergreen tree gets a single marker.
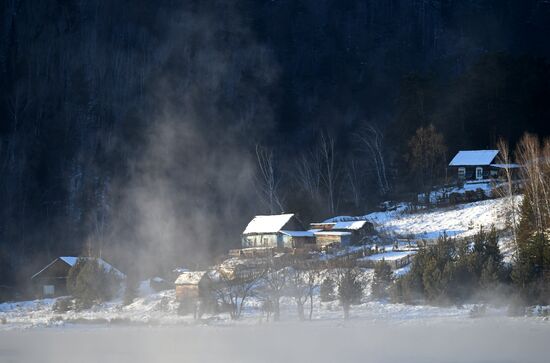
(89, 281)
(383, 277)
(350, 290)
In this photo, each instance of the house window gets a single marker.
(461, 173)
(479, 173)
(49, 290)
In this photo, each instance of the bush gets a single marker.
(327, 290)
(62, 305)
(88, 281)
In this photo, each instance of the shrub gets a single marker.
(327, 290)
(88, 281)
(63, 305)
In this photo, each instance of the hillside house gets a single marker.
(276, 231)
(51, 281)
(475, 165)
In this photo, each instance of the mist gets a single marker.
(485, 340)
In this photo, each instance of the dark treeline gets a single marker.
(138, 126)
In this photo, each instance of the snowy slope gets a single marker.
(461, 220)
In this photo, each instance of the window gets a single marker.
(461, 173)
(49, 290)
(479, 173)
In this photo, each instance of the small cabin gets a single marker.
(359, 229)
(51, 281)
(276, 231)
(475, 165)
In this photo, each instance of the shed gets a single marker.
(359, 229)
(51, 281)
(327, 238)
(187, 285)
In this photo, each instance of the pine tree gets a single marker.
(350, 290)
(382, 280)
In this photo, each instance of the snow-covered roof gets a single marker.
(267, 224)
(333, 233)
(349, 225)
(190, 278)
(298, 233)
(71, 261)
(473, 157)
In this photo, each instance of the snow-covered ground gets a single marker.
(461, 220)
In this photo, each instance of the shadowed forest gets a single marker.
(153, 131)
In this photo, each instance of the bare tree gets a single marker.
(535, 173)
(301, 286)
(308, 174)
(274, 284)
(353, 176)
(233, 290)
(269, 182)
(329, 169)
(371, 140)
(508, 190)
(427, 155)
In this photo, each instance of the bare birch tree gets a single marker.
(529, 156)
(329, 170)
(269, 181)
(508, 191)
(371, 140)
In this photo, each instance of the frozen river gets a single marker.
(468, 340)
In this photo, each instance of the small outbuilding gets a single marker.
(359, 229)
(51, 281)
(188, 284)
(332, 238)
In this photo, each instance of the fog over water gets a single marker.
(484, 340)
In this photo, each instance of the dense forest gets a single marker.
(151, 132)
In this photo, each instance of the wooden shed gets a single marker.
(188, 285)
(331, 238)
(51, 281)
(359, 229)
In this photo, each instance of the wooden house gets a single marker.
(276, 231)
(51, 281)
(359, 229)
(475, 165)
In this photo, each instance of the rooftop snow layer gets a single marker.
(474, 157)
(267, 224)
(71, 261)
(190, 278)
(333, 233)
(349, 225)
(298, 233)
